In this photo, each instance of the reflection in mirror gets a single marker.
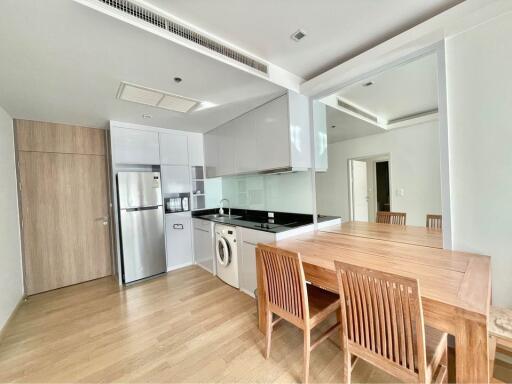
(382, 140)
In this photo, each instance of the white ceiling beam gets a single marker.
(332, 101)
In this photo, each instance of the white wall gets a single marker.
(414, 166)
(479, 84)
(11, 283)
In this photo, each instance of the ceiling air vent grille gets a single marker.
(184, 32)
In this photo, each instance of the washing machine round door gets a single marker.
(223, 252)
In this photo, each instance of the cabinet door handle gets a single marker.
(177, 226)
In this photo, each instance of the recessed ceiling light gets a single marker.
(298, 35)
(178, 80)
(333, 126)
(367, 84)
(147, 116)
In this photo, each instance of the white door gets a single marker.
(359, 190)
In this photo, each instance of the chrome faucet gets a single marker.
(221, 209)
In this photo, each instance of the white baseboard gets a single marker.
(206, 269)
(248, 293)
(179, 266)
(11, 316)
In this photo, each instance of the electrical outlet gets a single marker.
(270, 215)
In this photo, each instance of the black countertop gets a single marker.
(259, 220)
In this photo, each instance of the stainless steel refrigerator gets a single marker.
(141, 218)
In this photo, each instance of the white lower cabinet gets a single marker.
(178, 239)
(247, 240)
(203, 244)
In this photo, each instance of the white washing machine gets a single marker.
(226, 254)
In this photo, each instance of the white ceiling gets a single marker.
(63, 62)
(347, 127)
(398, 92)
(401, 91)
(336, 29)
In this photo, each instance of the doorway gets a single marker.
(370, 185)
(383, 202)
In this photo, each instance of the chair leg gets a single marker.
(307, 353)
(340, 328)
(492, 354)
(444, 361)
(347, 367)
(268, 334)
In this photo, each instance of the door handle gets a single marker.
(103, 219)
(177, 226)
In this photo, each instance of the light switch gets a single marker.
(270, 215)
(400, 192)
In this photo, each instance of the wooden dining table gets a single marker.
(455, 286)
(407, 234)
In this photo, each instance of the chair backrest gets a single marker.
(391, 217)
(285, 285)
(382, 320)
(434, 221)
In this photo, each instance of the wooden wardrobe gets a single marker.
(64, 204)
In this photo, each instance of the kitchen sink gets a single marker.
(219, 216)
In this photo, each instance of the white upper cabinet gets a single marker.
(211, 154)
(226, 149)
(320, 124)
(175, 179)
(174, 149)
(195, 150)
(133, 146)
(273, 136)
(300, 137)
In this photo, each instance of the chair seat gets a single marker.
(321, 303)
(500, 323)
(435, 346)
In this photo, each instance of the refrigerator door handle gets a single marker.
(142, 208)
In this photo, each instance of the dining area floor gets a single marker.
(187, 327)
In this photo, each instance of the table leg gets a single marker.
(471, 352)
(262, 305)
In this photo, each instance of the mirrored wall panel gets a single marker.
(377, 145)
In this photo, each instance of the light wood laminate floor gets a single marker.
(186, 326)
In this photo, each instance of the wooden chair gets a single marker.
(434, 221)
(391, 217)
(500, 333)
(382, 323)
(290, 298)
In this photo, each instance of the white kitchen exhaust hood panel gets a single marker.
(152, 97)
